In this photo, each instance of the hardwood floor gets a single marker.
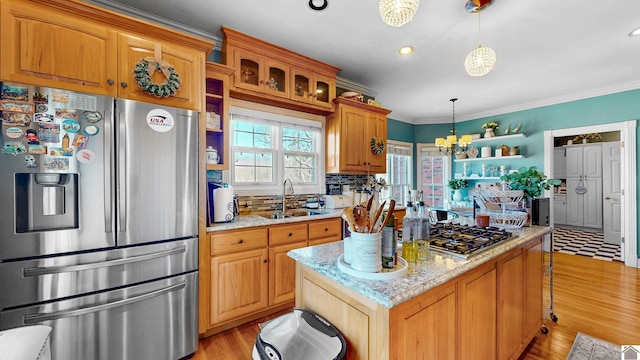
(598, 298)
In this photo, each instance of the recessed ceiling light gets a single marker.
(405, 50)
(635, 32)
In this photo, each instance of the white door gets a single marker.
(612, 192)
(575, 203)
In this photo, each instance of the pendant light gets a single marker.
(448, 144)
(480, 61)
(398, 12)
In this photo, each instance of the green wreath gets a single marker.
(377, 145)
(142, 73)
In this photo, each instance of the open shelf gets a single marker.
(496, 138)
(479, 178)
(490, 158)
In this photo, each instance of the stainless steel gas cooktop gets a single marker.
(464, 240)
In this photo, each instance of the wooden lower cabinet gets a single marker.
(490, 312)
(251, 275)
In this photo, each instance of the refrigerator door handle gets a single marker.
(39, 271)
(109, 174)
(38, 318)
(122, 172)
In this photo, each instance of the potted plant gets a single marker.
(489, 128)
(531, 181)
(456, 185)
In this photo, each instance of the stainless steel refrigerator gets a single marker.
(99, 223)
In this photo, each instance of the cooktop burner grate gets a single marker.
(464, 240)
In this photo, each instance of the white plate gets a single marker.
(385, 274)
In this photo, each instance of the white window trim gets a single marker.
(408, 147)
(281, 116)
(431, 147)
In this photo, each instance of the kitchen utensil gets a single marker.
(361, 215)
(369, 203)
(347, 215)
(376, 217)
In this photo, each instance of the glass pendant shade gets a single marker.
(398, 12)
(480, 61)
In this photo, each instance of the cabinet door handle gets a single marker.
(110, 81)
(261, 81)
(607, 197)
(240, 241)
(123, 84)
(264, 261)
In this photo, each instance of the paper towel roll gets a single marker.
(223, 205)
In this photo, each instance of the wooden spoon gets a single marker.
(369, 203)
(362, 219)
(376, 217)
(392, 206)
(347, 215)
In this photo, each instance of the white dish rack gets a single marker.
(505, 218)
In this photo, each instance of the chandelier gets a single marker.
(398, 12)
(448, 144)
(480, 62)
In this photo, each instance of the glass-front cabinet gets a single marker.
(260, 74)
(312, 88)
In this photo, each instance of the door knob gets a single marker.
(607, 197)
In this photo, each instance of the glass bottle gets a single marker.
(421, 227)
(389, 243)
(409, 250)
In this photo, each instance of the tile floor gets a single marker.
(584, 243)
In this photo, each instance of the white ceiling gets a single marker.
(548, 51)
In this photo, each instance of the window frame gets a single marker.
(401, 146)
(430, 149)
(278, 121)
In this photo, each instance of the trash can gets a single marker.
(300, 334)
(26, 343)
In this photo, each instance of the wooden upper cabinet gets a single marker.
(76, 46)
(350, 130)
(188, 64)
(56, 49)
(269, 74)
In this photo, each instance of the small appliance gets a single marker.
(540, 211)
(337, 201)
(222, 203)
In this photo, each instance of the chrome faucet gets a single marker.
(284, 194)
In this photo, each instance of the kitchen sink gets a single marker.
(277, 214)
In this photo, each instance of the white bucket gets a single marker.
(366, 252)
(348, 250)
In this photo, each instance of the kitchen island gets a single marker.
(486, 307)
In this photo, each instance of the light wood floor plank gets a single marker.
(598, 298)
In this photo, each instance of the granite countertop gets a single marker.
(420, 277)
(247, 221)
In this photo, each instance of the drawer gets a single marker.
(222, 243)
(325, 229)
(287, 234)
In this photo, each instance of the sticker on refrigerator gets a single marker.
(160, 120)
(86, 156)
(49, 133)
(58, 151)
(80, 141)
(91, 130)
(70, 126)
(16, 107)
(30, 161)
(55, 163)
(44, 118)
(14, 148)
(36, 149)
(31, 136)
(66, 114)
(60, 97)
(40, 98)
(14, 133)
(42, 108)
(11, 92)
(16, 119)
(92, 116)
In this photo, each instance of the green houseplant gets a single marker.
(456, 185)
(531, 181)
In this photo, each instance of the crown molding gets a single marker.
(635, 85)
(143, 15)
(353, 86)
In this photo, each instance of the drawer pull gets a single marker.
(326, 229)
(290, 234)
(240, 241)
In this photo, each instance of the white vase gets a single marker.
(457, 195)
(489, 133)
